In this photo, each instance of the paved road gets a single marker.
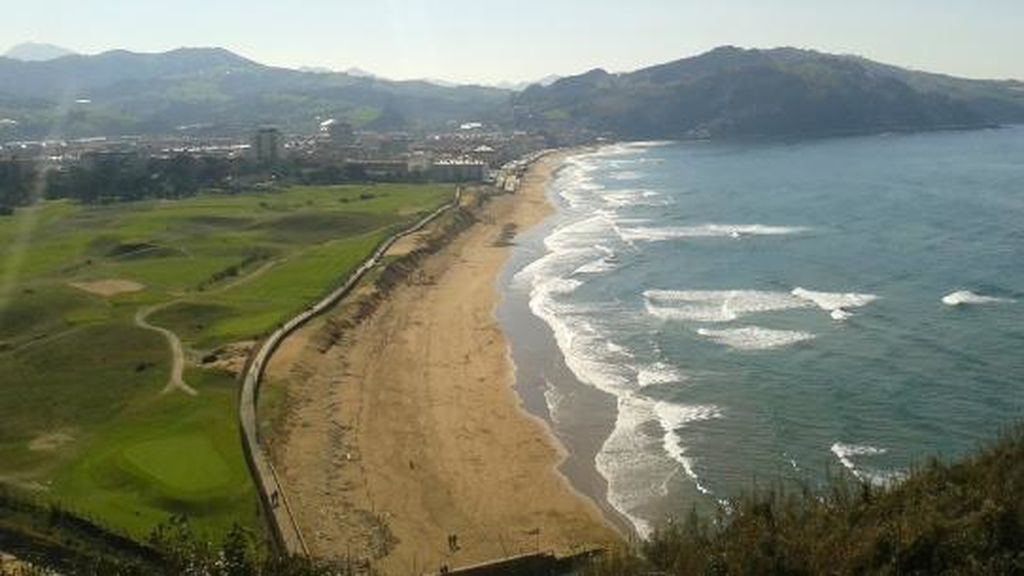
(281, 518)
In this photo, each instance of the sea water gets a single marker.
(698, 318)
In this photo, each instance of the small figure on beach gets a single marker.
(274, 499)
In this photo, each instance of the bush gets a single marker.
(962, 518)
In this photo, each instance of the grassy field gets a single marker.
(82, 416)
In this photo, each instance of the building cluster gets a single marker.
(467, 153)
(87, 151)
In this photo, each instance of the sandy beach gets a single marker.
(410, 429)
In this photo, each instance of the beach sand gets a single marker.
(411, 430)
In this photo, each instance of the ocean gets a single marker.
(698, 319)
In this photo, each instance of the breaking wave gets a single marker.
(848, 453)
(962, 297)
(659, 373)
(716, 306)
(737, 231)
(755, 337)
(674, 417)
(644, 450)
(837, 304)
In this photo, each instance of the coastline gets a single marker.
(412, 429)
(540, 364)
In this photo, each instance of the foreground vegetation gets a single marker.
(46, 538)
(962, 518)
(85, 420)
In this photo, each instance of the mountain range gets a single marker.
(215, 91)
(726, 92)
(780, 92)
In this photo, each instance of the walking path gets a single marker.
(281, 517)
(175, 381)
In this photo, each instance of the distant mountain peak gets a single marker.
(360, 73)
(37, 52)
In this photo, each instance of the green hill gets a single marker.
(211, 90)
(726, 92)
(782, 92)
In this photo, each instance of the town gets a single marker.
(173, 166)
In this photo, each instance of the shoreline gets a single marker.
(539, 362)
(412, 429)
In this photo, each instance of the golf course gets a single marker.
(123, 327)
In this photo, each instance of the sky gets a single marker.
(481, 41)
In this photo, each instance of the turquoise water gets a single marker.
(701, 316)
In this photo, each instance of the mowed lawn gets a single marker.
(83, 420)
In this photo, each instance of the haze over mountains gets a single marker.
(37, 52)
(726, 92)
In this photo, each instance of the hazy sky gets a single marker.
(486, 41)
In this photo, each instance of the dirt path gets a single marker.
(176, 380)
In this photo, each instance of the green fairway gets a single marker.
(187, 465)
(171, 454)
(83, 419)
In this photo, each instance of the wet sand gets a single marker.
(411, 430)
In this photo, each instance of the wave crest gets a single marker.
(962, 297)
(717, 306)
(755, 337)
(660, 234)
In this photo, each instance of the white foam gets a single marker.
(633, 462)
(587, 352)
(837, 304)
(658, 234)
(575, 184)
(829, 301)
(627, 198)
(839, 314)
(659, 373)
(962, 297)
(625, 175)
(570, 247)
(755, 337)
(554, 399)
(717, 305)
(630, 462)
(584, 233)
(599, 266)
(847, 453)
(617, 349)
(638, 464)
(672, 418)
(635, 459)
